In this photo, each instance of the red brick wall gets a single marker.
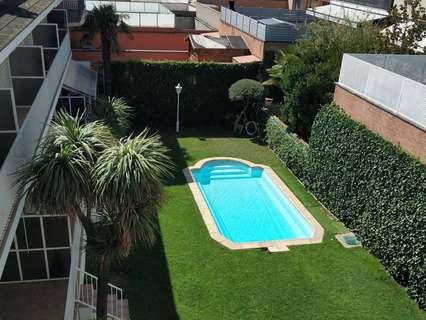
(390, 127)
(95, 56)
(145, 43)
(217, 55)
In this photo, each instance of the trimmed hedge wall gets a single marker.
(150, 88)
(292, 150)
(372, 186)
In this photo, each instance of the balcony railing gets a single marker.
(86, 294)
(395, 83)
(27, 139)
(274, 25)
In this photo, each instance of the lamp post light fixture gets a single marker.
(178, 91)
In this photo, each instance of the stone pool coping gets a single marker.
(274, 245)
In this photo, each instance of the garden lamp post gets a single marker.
(178, 91)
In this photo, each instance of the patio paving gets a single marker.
(35, 300)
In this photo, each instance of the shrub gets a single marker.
(292, 150)
(150, 88)
(246, 90)
(369, 184)
(115, 113)
(307, 70)
(376, 188)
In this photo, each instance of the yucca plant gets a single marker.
(82, 169)
(58, 179)
(115, 113)
(128, 179)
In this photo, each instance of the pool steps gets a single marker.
(229, 172)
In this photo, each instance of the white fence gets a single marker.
(388, 89)
(140, 14)
(243, 23)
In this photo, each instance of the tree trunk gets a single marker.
(104, 265)
(106, 60)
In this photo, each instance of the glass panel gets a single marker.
(77, 106)
(11, 271)
(33, 232)
(7, 119)
(56, 232)
(148, 20)
(59, 263)
(33, 265)
(6, 141)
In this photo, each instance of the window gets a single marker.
(28, 233)
(41, 249)
(11, 269)
(33, 265)
(59, 263)
(56, 232)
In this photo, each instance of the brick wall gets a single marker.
(390, 127)
(144, 43)
(217, 55)
(164, 55)
(256, 46)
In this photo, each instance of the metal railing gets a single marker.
(75, 9)
(72, 4)
(87, 285)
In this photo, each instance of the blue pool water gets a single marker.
(246, 205)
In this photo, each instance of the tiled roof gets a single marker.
(16, 15)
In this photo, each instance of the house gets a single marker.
(159, 31)
(213, 47)
(355, 11)
(278, 4)
(352, 11)
(41, 260)
(387, 93)
(264, 30)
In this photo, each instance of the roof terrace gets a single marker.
(395, 83)
(17, 15)
(140, 14)
(267, 24)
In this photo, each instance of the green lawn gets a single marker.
(187, 275)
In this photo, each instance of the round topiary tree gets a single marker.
(246, 90)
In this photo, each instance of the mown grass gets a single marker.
(187, 275)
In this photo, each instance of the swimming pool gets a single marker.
(247, 206)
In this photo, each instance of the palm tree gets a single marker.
(82, 169)
(108, 23)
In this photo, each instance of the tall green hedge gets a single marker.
(292, 150)
(373, 187)
(149, 87)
